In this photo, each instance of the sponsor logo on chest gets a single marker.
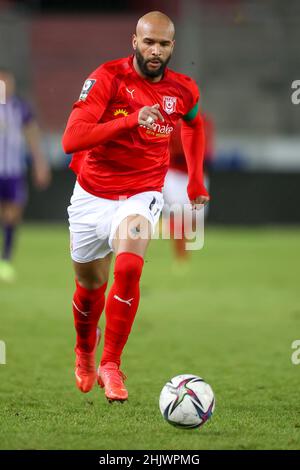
(160, 130)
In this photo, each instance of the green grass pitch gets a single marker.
(231, 319)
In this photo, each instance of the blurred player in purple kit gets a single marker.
(17, 128)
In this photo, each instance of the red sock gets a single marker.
(121, 306)
(87, 308)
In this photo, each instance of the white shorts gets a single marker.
(175, 188)
(94, 220)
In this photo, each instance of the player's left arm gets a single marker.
(40, 167)
(193, 142)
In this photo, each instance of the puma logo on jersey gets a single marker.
(128, 302)
(131, 92)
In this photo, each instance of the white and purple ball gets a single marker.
(187, 401)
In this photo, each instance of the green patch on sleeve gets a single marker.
(192, 113)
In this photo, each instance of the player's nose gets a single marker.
(156, 50)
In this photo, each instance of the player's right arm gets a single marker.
(83, 130)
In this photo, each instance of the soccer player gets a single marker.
(16, 123)
(119, 131)
(175, 189)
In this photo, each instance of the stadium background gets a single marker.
(244, 56)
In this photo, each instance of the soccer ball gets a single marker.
(187, 401)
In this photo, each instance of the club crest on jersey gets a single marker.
(169, 104)
(87, 86)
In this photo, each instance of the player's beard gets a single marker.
(142, 63)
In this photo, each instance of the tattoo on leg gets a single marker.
(135, 231)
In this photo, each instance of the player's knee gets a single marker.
(128, 268)
(91, 282)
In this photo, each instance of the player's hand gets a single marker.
(199, 201)
(198, 194)
(148, 115)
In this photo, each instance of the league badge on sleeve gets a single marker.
(88, 85)
(169, 104)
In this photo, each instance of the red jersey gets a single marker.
(137, 159)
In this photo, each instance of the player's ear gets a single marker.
(134, 41)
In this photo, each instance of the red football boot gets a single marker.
(112, 380)
(85, 367)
